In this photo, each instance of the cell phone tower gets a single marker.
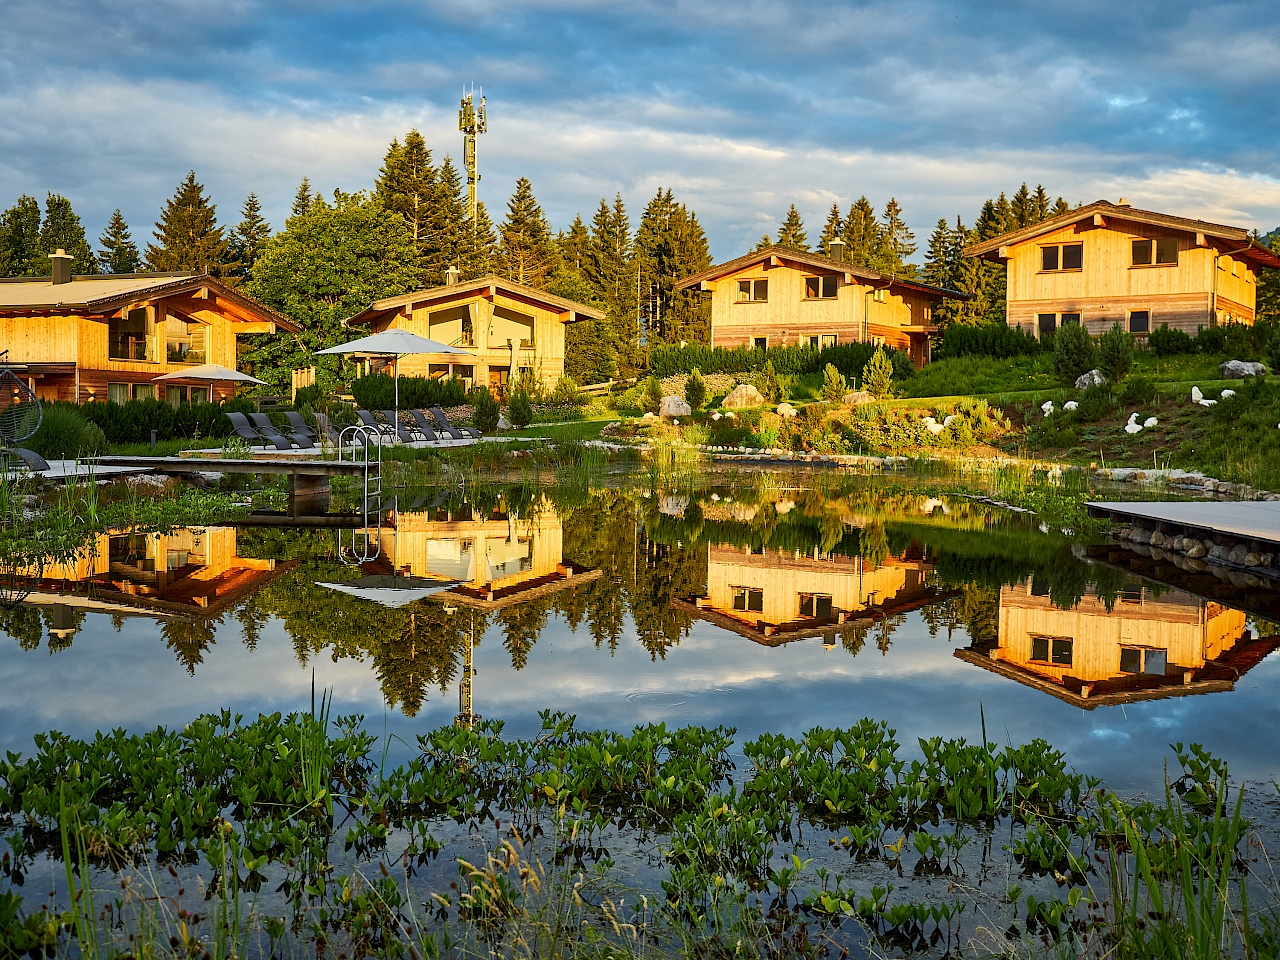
(471, 122)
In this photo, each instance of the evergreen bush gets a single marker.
(1115, 353)
(667, 360)
(1167, 342)
(767, 382)
(834, 384)
(695, 389)
(1273, 354)
(133, 421)
(568, 394)
(377, 391)
(651, 396)
(312, 396)
(1074, 353)
(998, 340)
(520, 409)
(877, 375)
(66, 434)
(484, 410)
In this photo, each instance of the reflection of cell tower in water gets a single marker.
(20, 408)
(471, 121)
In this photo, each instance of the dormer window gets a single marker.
(1162, 251)
(753, 291)
(819, 288)
(1062, 256)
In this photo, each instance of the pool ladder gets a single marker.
(366, 539)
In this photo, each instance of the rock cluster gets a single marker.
(1196, 554)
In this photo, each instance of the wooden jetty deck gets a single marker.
(1247, 522)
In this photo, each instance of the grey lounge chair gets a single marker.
(403, 431)
(373, 423)
(334, 435)
(457, 433)
(35, 463)
(424, 426)
(262, 423)
(298, 424)
(243, 429)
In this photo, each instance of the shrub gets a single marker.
(877, 375)
(1095, 403)
(997, 340)
(834, 384)
(520, 409)
(695, 389)
(651, 396)
(767, 382)
(1136, 391)
(377, 391)
(567, 393)
(133, 421)
(1211, 340)
(1074, 352)
(1167, 342)
(1273, 353)
(1237, 341)
(312, 396)
(666, 360)
(527, 382)
(66, 434)
(484, 410)
(1115, 353)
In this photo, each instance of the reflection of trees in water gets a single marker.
(188, 639)
(426, 652)
(24, 625)
(252, 618)
(600, 534)
(853, 639)
(975, 610)
(521, 625)
(873, 544)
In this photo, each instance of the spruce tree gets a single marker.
(791, 233)
(862, 234)
(303, 199)
(249, 236)
(528, 253)
(62, 230)
(1023, 212)
(939, 265)
(575, 245)
(611, 270)
(117, 252)
(406, 185)
(898, 241)
(1268, 296)
(481, 251)
(764, 243)
(671, 245)
(831, 229)
(188, 236)
(20, 252)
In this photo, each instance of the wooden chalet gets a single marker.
(779, 297)
(1108, 263)
(107, 337)
(506, 327)
(1147, 645)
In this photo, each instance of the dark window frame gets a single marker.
(1057, 255)
(753, 290)
(821, 283)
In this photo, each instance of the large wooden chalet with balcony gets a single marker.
(1108, 263)
(779, 296)
(107, 337)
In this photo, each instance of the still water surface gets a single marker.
(762, 607)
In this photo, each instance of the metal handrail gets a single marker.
(371, 503)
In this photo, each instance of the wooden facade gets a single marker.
(109, 337)
(1107, 263)
(783, 297)
(505, 326)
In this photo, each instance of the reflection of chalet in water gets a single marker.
(775, 596)
(499, 558)
(190, 573)
(1148, 645)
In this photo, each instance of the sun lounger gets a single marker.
(402, 430)
(424, 426)
(457, 433)
(35, 463)
(373, 423)
(243, 429)
(335, 436)
(262, 423)
(298, 424)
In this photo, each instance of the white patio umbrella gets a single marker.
(211, 372)
(393, 342)
(391, 591)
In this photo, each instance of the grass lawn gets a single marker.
(573, 430)
(164, 448)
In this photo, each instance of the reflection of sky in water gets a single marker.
(108, 679)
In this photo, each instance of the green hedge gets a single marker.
(997, 340)
(849, 358)
(377, 391)
(133, 421)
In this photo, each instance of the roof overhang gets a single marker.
(571, 311)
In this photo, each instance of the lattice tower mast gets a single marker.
(471, 121)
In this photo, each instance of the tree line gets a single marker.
(337, 253)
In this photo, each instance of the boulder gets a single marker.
(1239, 369)
(649, 416)
(857, 398)
(503, 423)
(674, 407)
(786, 410)
(1094, 378)
(743, 395)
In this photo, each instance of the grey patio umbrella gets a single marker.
(391, 591)
(393, 342)
(212, 373)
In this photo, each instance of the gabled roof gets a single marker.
(817, 261)
(1237, 238)
(449, 291)
(105, 293)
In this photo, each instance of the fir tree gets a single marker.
(62, 230)
(118, 253)
(791, 233)
(406, 185)
(862, 234)
(249, 236)
(1023, 212)
(671, 245)
(899, 241)
(831, 229)
(20, 253)
(764, 243)
(528, 252)
(610, 269)
(1268, 295)
(481, 251)
(939, 265)
(575, 245)
(303, 199)
(188, 236)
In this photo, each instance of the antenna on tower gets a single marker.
(471, 121)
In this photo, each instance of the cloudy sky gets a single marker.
(740, 106)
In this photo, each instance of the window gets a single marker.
(753, 291)
(129, 336)
(199, 394)
(748, 598)
(1056, 650)
(1067, 318)
(184, 339)
(175, 395)
(1047, 322)
(829, 340)
(118, 392)
(819, 288)
(1064, 256)
(815, 605)
(144, 391)
(1143, 660)
(760, 343)
(1160, 252)
(1139, 321)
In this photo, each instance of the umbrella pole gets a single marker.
(396, 425)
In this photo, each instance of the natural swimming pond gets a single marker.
(767, 604)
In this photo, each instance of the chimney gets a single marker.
(836, 248)
(1124, 202)
(451, 276)
(61, 266)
